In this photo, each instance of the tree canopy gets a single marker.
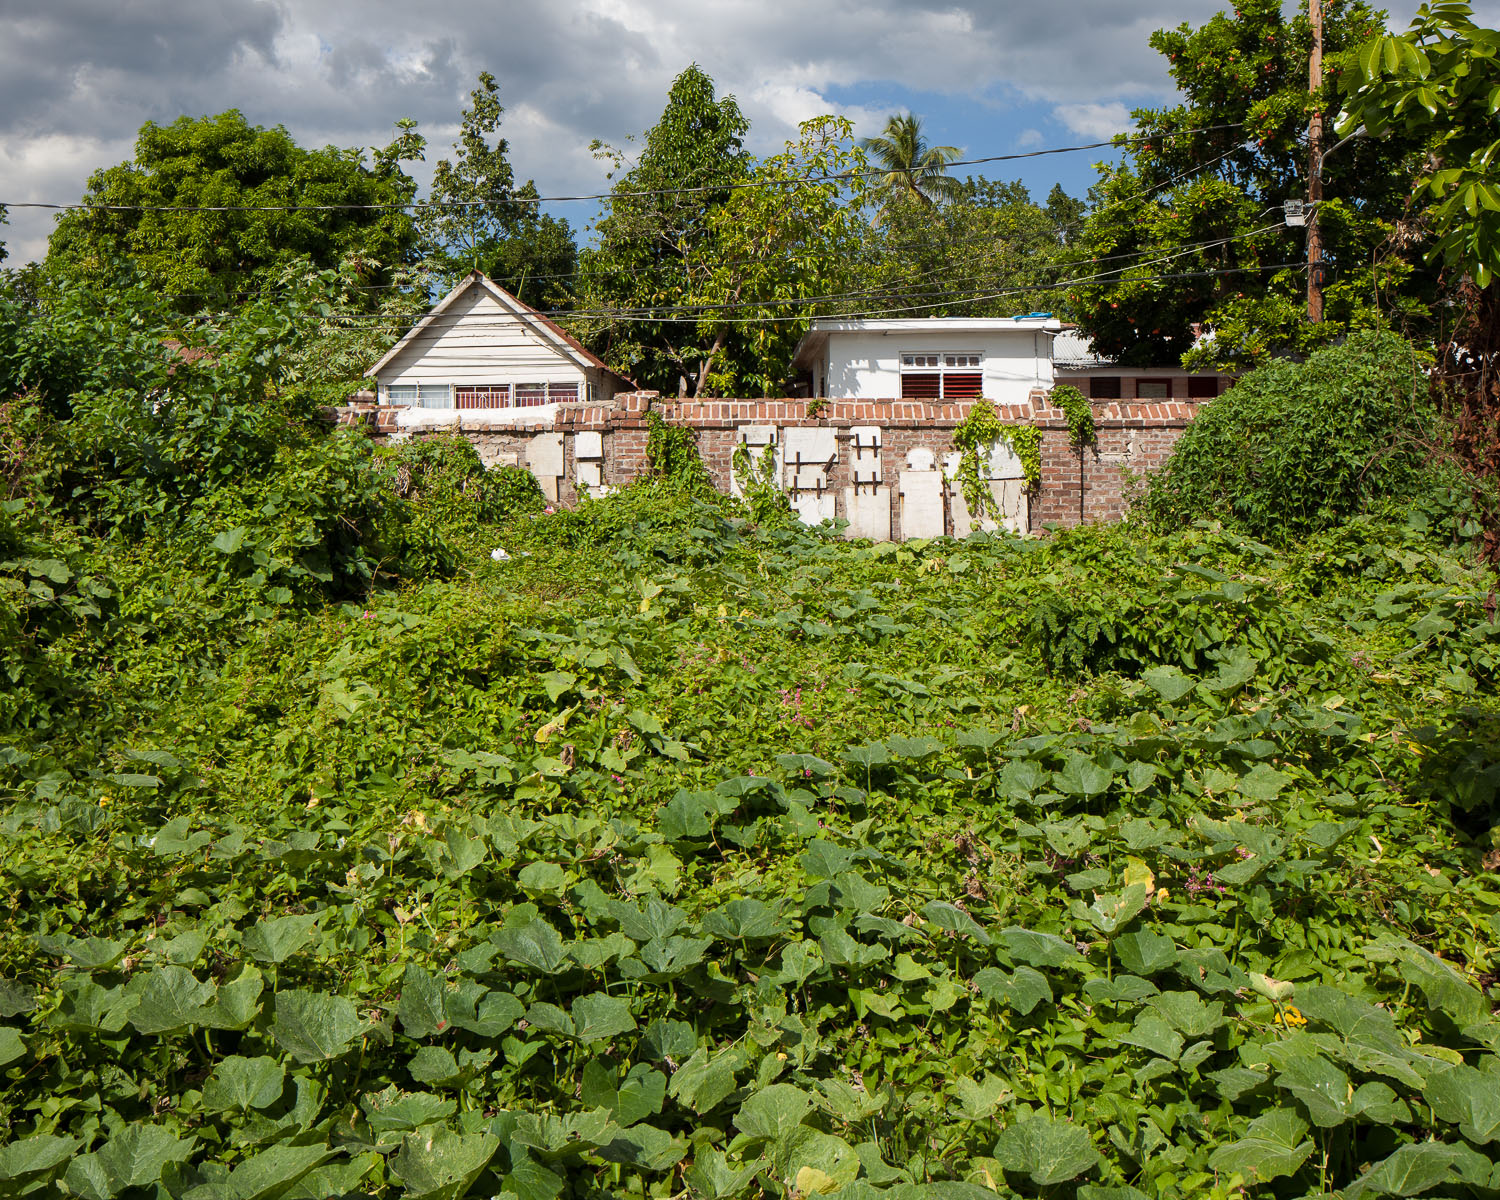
(482, 221)
(1189, 229)
(214, 207)
(657, 243)
(913, 172)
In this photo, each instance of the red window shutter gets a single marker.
(1202, 387)
(963, 386)
(921, 387)
(1104, 387)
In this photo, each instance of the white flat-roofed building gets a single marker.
(480, 349)
(929, 358)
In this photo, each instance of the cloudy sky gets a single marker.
(79, 77)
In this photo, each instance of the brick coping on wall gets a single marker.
(628, 411)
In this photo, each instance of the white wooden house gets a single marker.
(929, 358)
(482, 349)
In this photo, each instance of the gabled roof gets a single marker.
(549, 330)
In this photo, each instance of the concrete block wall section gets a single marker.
(1132, 439)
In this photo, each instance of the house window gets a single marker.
(1104, 387)
(481, 395)
(423, 395)
(1153, 389)
(941, 377)
(1203, 387)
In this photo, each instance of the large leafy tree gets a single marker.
(784, 244)
(1440, 82)
(212, 208)
(479, 219)
(1189, 228)
(990, 251)
(658, 241)
(913, 172)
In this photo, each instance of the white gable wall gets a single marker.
(866, 364)
(479, 340)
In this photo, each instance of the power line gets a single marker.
(423, 205)
(667, 313)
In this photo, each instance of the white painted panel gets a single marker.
(813, 508)
(1009, 508)
(588, 474)
(544, 455)
(865, 437)
(1003, 461)
(868, 511)
(806, 479)
(588, 444)
(808, 445)
(921, 504)
(867, 472)
(920, 458)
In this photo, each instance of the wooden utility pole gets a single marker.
(1315, 172)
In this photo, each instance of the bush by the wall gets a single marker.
(1298, 447)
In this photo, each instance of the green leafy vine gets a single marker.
(1080, 413)
(672, 452)
(977, 432)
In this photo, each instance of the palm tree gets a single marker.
(913, 170)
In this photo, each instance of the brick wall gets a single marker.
(1133, 438)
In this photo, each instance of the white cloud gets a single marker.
(1097, 121)
(79, 77)
(1030, 139)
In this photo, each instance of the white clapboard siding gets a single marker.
(478, 340)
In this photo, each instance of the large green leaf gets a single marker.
(1045, 1148)
(312, 1027)
(1023, 989)
(535, 944)
(1038, 949)
(598, 1017)
(277, 939)
(421, 1007)
(32, 1155)
(1274, 1145)
(1467, 1098)
(1410, 1171)
(241, 1084)
(704, 1079)
(773, 1111)
(743, 920)
(400, 1112)
(271, 1172)
(134, 1157)
(1322, 1088)
(1143, 952)
(170, 1000)
(1081, 776)
(955, 920)
(436, 1164)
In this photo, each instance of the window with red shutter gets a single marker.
(926, 386)
(1104, 387)
(941, 377)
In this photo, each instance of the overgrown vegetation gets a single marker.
(681, 855)
(1295, 448)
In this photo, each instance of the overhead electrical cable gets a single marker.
(419, 205)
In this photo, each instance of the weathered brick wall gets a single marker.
(1133, 438)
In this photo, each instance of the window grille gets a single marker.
(941, 376)
(1153, 389)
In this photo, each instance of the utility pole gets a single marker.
(1315, 173)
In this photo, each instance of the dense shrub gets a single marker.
(1297, 447)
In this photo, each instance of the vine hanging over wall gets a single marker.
(974, 436)
(672, 452)
(1080, 413)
